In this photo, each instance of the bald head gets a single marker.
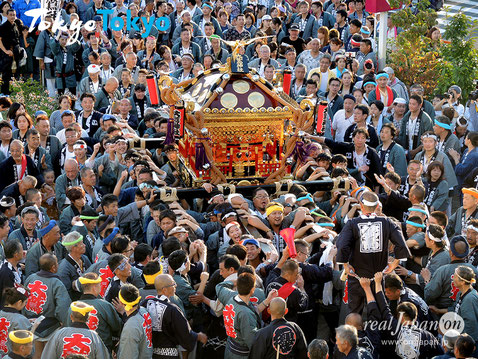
(460, 247)
(278, 307)
(48, 262)
(111, 85)
(355, 320)
(164, 285)
(71, 168)
(112, 81)
(71, 162)
(125, 101)
(162, 280)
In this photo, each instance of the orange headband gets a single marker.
(471, 192)
(354, 192)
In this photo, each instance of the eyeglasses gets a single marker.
(261, 196)
(304, 253)
(169, 286)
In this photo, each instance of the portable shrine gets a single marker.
(232, 124)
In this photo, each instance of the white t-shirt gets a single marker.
(324, 80)
(69, 154)
(411, 132)
(360, 161)
(261, 69)
(95, 86)
(19, 171)
(340, 124)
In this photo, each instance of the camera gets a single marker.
(445, 96)
(349, 59)
(368, 65)
(473, 96)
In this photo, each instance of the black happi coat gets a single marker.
(282, 334)
(364, 242)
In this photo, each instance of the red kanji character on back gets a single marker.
(4, 325)
(148, 329)
(105, 274)
(92, 320)
(37, 297)
(454, 290)
(228, 313)
(346, 293)
(76, 344)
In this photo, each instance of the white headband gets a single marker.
(433, 238)
(232, 224)
(369, 204)
(183, 267)
(79, 146)
(234, 195)
(230, 214)
(429, 135)
(22, 290)
(212, 198)
(290, 195)
(473, 228)
(400, 100)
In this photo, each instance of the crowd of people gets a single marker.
(97, 263)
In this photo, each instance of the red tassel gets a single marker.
(287, 81)
(231, 158)
(256, 159)
(321, 115)
(152, 89)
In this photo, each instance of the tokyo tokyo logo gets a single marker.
(51, 9)
(117, 23)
